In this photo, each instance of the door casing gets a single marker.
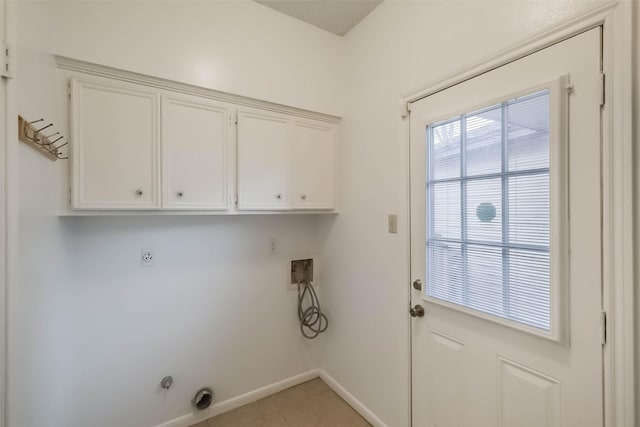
(7, 110)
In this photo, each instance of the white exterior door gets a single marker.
(506, 245)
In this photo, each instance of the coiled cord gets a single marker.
(312, 321)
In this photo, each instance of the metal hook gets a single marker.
(47, 126)
(52, 149)
(42, 144)
(48, 144)
(53, 142)
(36, 140)
(35, 121)
(48, 149)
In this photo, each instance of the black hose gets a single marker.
(311, 319)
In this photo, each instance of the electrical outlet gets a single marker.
(273, 246)
(147, 258)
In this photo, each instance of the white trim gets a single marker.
(4, 178)
(252, 396)
(8, 207)
(618, 252)
(174, 86)
(618, 212)
(366, 413)
(174, 212)
(243, 399)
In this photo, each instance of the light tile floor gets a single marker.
(311, 404)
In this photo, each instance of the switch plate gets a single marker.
(393, 223)
(273, 246)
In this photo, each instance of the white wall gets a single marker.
(400, 47)
(235, 46)
(91, 333)
(94, 333)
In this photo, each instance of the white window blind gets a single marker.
(488, 210)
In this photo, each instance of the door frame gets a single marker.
(8, 205)
(4, 136)
(618, 299)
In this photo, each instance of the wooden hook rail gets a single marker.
(31, 133)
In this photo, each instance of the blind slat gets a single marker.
(488, 237)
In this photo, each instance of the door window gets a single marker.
(488, 210)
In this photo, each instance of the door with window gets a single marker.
(506, 245)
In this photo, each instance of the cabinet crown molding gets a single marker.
(90, 68)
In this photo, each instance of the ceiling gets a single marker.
(336, 16)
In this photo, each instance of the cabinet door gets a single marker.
(194, 148)
(314, 147)
(264, 160)
(115, 146)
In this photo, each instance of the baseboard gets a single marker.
(235, 402)
(351, 400)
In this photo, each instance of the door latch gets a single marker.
(417, 311)
(417, 285)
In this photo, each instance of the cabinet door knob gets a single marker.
(180, 194)
(279, 196)
(139, 192)
(303, 196)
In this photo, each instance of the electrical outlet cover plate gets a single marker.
(147, 257)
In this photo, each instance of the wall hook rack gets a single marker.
(30, 135)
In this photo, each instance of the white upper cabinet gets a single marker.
(195, 140)
(264, 160)
(115, 146)
(314, 150)
(147, 144)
